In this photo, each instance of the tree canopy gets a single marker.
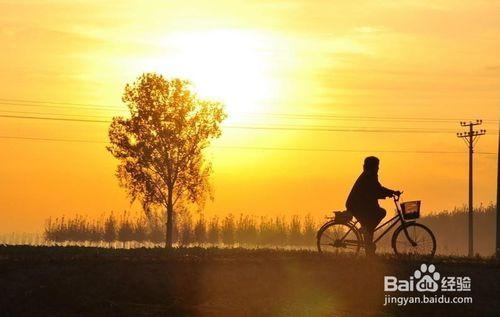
(160, 146)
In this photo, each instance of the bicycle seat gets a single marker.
(343, 216)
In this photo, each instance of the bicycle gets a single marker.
(341, 234)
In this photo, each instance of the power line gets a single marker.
(50, 139)
(259, 127)
(62, 106)
(292, 128)
(53, 119)
(256, 147)
(53, 114)
(325, 116)
(105, 117)
(339, 129)
(53, 104)
(262, 127)
(345, 150)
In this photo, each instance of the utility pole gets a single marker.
(498, 196)
(470, 137)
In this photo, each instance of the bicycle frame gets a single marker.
(357, 240)
(398, 218)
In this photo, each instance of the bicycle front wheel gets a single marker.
(339, 238)
(414, 239)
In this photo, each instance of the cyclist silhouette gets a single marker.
(363, 200)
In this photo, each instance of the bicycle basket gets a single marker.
(343, 216)
(411, 209)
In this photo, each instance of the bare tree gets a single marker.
(160, 147)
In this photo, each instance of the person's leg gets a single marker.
(379, 215)
(369, 245)
(362, 216)
(367, 231)
(375, 216)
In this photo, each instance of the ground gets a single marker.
(72, 281)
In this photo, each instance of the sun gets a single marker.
(230, 66)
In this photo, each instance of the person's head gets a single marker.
(371, 164)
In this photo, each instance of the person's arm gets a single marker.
(386, 192)
(383, 192)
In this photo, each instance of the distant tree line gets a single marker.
(125, 230)
(229, 230)
(451, 229)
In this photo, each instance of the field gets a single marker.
(75, 281)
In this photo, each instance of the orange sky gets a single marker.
(285, 69)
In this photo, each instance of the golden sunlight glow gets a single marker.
(230, 66)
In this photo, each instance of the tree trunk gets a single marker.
(170, 223)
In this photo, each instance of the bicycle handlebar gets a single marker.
(397, 195)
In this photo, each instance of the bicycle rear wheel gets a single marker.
(420, 241)
(339, 238)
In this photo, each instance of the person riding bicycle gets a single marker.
(363, 200)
